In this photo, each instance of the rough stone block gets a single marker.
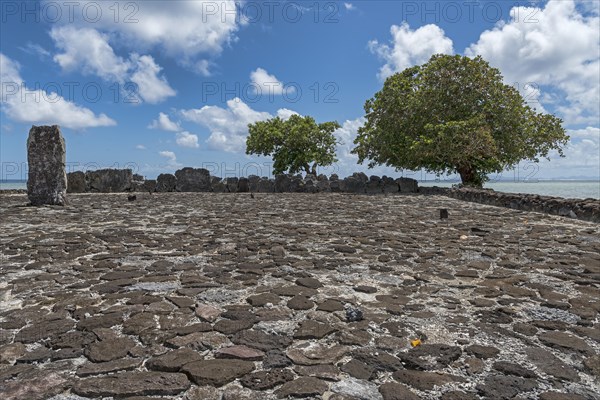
(109, 180)
(166, 183)
(408, 185)
(46, 155)
(76, 182)
(193, 180)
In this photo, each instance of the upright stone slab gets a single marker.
(76, 182)
(109, 180)
(166, 183)
(193, 180)
(46, 155)
(408, 185)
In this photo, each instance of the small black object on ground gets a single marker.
(443, 213)
(353, 314)
(132, 197)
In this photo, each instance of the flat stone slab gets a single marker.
(133, 384)
(107, 367)
(240, 352)
(217, 372)
(173, 360)
(302, 387)
(37, 388)
(423, 380)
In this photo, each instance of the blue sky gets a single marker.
(157, 85)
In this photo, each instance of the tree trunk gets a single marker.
(314, 169)
(307, 169)
(469, 176)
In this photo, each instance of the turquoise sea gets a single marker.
(564, 188)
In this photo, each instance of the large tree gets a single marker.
(454, 115)
(294, 144)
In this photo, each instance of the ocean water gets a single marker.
(567, 189)
(13, 185)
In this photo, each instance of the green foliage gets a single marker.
(454, 115)
(294, 143)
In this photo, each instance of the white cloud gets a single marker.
(39, 107)
(35, 49)
(586, 133)
(202, 67)
(171, 158)
(140, 147)
(345, 136)
(168, 154)
(268, 84)
(164, 123)
(561, 50)
(582, 156)
(347, 162)
(181, 30)
(228, 126)
(349, 6)
(151, 88)
(186, 139)
(9, 72)
(88, 50)
(410, 47)
(285, 113)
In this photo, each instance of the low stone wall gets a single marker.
(101, 181)
(200, 180)
(583, 209)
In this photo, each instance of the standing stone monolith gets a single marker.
(46, 155)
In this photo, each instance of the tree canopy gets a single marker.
(294, 144)
(454, 115)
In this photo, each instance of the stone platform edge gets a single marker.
(581, 209)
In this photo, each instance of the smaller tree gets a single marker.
(294, 144)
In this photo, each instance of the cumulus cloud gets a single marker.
(39, 107)
(345, 137)
(9, 72)
(582, 156)
(347, 162)
(87, 50)
(349, 6)
(140, 147)
(183, 30)
(164, 123)
(410, 47)
(182, 138)
(202, 67)
(268, 84)
(186, 139)
(561, 50)
(285, 113)
(228, 126)
(152, 88)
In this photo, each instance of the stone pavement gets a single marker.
(206, 296)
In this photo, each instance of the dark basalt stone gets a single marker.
(46, 158)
